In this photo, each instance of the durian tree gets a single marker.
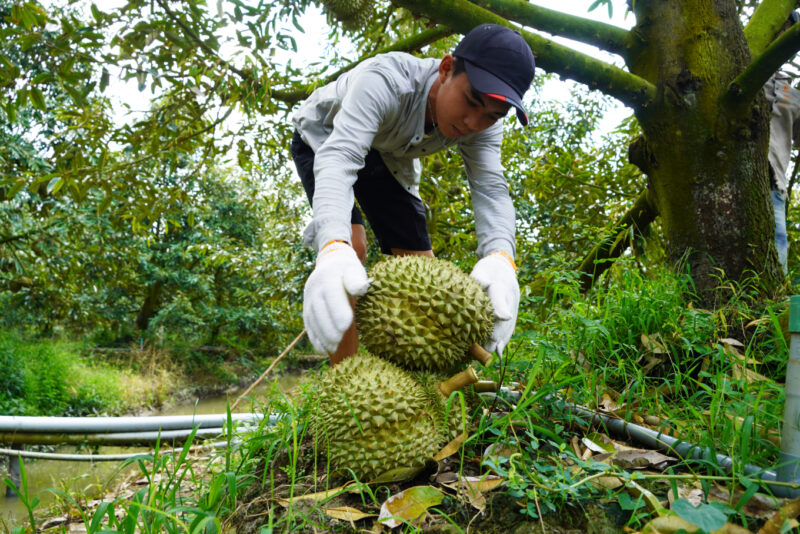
(693, 75)
(693, 78)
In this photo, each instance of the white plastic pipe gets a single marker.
(789, 459)
(92, 425)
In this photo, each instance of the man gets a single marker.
(783, 127)
(361, 135)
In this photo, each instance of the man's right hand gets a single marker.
(327, 312)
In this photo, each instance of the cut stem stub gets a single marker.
(479, 353)
(456, 382)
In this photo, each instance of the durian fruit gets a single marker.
(423, 314)
(353, 15)
(445, 404)
(373, 417)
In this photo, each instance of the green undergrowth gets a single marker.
(57, 378)
(635, 348)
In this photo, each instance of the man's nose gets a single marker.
(472, 120)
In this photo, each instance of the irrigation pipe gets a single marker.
(669, 444)
(119, 438)
(93, 425)
(101, 457)
(272, 366)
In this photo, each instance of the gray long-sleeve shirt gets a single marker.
(381, 104)
(784, 125)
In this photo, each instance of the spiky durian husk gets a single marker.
(372, 417)
(352, 14)
(423, 313)
(447, 413)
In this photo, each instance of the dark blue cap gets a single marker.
(499, 64)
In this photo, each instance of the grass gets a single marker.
(54, 377)
(634, 348)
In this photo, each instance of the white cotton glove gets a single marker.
(327, 313)
(498, 275)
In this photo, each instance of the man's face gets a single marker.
(461, 110)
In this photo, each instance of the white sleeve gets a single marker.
(368, 100)
(491, 201)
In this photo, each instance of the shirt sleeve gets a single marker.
(365, 105)
(491, 201)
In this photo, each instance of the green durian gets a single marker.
(445, 404)
(371, 417)
(353, 15)
(423, 313)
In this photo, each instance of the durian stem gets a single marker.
(486, 386)
(479, 353)
(456, 382)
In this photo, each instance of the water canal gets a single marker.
(92, 478)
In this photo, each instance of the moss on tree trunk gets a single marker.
(706, 162)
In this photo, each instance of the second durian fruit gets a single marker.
(372, 417)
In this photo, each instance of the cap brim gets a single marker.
(487, 83)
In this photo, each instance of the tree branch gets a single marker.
(202, 44)
(462, 16)
(415, 42)
(6, 239)
(767, 19)
(604, 36)
(743, 89)
(602, 256)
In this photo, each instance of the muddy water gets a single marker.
(90, 479)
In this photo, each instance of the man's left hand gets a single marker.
(497, 274)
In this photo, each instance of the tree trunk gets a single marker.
(706, 161)
(149, 307)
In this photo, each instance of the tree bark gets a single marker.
(706, 161)
(150, 306)
(704, 144)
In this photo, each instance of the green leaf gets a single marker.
(55, 185)
(75, 95)
(96, 13)
(37, 99)
(19, 183)
(11, 111)
(628, 504)
(704, 516)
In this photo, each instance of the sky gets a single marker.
(555, 89)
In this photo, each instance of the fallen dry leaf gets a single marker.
(347, 513)
(760, 506)
(473, 489)
(788, 511)
(451, 448)
(598, 442)
(690, 493)
(409, 505)
(731, 341)
(672, 524)
(607, 482)
(319, 496)
(642, 459)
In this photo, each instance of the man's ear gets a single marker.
(446, 66)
